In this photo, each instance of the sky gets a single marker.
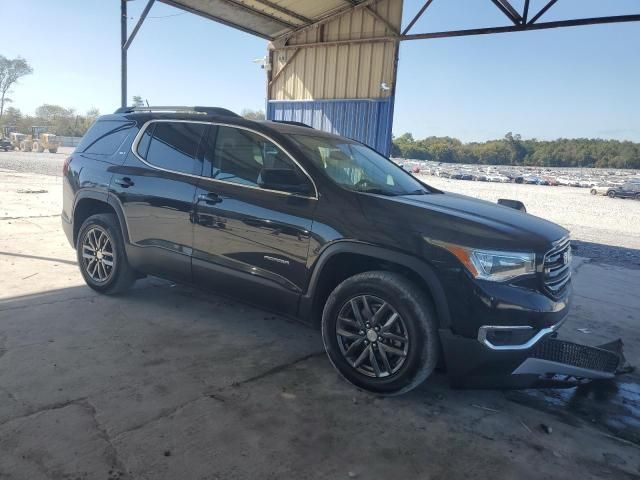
(569, 82)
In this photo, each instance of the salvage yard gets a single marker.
(170, 382)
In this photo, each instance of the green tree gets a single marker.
(253, 114)
(10, 72)
(137, 101)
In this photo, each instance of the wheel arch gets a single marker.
(330, 269)
(90, 203)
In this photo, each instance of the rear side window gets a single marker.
(172, 146)
(104, 137)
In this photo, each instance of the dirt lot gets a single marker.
(170, 382)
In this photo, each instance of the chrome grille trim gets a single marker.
(556, 268)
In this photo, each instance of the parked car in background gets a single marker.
(602, 189)
(5, 145)
(626, 190)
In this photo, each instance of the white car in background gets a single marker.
(602, 189)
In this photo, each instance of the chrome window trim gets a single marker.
(483, 330)
(136, 141)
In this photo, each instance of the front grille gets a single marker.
(576, 355)
(557, 268)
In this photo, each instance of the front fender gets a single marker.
(421, 268)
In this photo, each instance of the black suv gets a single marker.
(400, 276)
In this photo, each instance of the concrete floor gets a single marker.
(169, 382)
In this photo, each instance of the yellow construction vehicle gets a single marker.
(16, 139)
(39, 141)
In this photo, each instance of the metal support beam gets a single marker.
(542, 11)
(417, 17)
(281, 71)
(144, 14)
(286, 11)
(525, 12)
(383, 20)
(510, 12)
(327, 18)
(524, 28)
(339, 42)
(123, 53)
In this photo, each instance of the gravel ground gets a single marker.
(604, 229)
(28, 162)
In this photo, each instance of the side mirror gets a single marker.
(283, 179)
(517, 204)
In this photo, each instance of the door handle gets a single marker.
(209, 198)
(125, 182)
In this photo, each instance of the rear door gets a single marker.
(156, 188)
(249, 241)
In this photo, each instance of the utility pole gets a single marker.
(123, 52)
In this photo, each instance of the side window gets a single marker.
(104, 137)
(173, 146)
(240, 156)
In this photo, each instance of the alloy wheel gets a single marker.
(98, 257)
(372, 336)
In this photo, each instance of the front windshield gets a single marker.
(357, 167)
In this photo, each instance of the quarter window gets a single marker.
(104, 137)
(240, 156)
(173, 146)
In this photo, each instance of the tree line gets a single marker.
(513, 150)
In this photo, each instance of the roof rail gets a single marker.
(204, 110)
(291, 122)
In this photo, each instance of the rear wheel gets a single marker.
(593, 191)
(101, 255)
(380, 333)
(53, 150)
(611, 194)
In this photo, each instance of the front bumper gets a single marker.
(548, 362)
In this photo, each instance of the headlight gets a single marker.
(493, 265)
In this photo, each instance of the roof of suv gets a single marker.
(211, 114)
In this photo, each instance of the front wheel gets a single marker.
(611, 194)
(101, 255)
(380, 332)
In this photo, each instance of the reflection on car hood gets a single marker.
(464, 220)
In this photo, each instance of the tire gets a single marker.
(119, 276)
(53, 150)
(611, 194)
(416, 322)
(594, 191)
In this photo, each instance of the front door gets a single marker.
(251, 239)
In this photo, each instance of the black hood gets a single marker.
(464, 220)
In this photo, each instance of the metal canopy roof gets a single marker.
(268, 19)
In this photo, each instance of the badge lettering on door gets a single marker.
(277, 260)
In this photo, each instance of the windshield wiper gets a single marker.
(378, 191)
(419, 191)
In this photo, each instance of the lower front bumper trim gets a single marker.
(538, 366)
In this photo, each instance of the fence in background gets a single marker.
(68, 141)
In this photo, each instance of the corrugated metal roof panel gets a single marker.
(265, 18)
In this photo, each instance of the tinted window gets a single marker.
(357, 167)
(240, 155)
(173, 146)
(104, 137)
